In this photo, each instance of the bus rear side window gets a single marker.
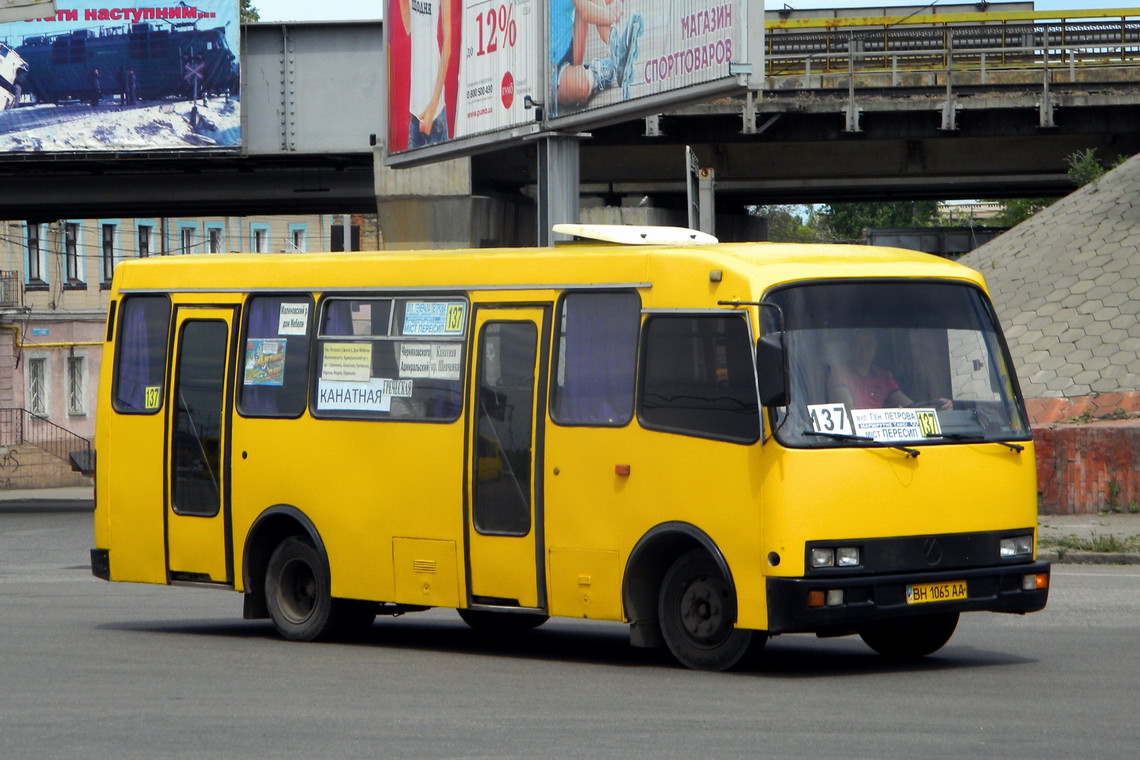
(275, 374)
(597, 359)
(698, 378)
(140, 357)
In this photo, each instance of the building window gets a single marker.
(260, 240)
(188, 239)
(215, 239)
(108, 232)
(144, 242)
(71, 269)
(298, 239)
(75, 383)
(35, 261)
(37, 386)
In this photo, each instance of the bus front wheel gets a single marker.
(297, 592)
(694, 612)
(911, 638)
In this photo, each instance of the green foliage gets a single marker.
(1014, 211)
(846, 221)
(1108, 544)
(248, 13)
(790, 224)
(1084, 167)
(1112, 501)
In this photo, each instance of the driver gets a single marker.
(861, 384)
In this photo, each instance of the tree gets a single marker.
(1014, 211)
(848, 220)
(790, 224)
(248, 13)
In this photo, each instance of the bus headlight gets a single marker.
(827, 556)
(822, 556)
(1017, 546)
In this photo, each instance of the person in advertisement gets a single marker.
(575, 81)
(861, 384)
(429, 59)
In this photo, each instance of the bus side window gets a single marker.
(698, 378)
(276, 360)
(140, 355)
(597, 359)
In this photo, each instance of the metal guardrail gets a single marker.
(910, 46)
(19, 426)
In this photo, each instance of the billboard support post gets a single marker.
(558, 178)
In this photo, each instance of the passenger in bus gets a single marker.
(861, 384)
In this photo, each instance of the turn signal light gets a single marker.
(1035, 582)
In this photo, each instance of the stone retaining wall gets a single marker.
(1086, 468)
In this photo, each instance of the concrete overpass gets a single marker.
(855, 121)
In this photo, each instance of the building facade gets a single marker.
(55, 279)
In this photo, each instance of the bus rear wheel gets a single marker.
(694, 612)
(297, 592)
(911, 638)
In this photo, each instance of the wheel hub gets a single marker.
(298, 591)
(702, 611)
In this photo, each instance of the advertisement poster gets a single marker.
(122, 76)
(265, 361)
(604, 52)
(459, 67)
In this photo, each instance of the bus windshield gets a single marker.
(886, 362)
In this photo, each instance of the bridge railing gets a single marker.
(980, 41)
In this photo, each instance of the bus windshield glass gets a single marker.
(893, 362)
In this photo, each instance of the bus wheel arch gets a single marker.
(269, 530)
(645, 571)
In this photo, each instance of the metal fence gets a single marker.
(19, 426)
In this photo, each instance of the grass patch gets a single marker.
(1109, 544)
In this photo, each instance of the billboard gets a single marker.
(467, 75)
(122, 76)
(604, 52)
(458, 68)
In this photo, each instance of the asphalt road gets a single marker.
(90, 669)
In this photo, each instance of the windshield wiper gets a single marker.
(912, 453)
(980, 439)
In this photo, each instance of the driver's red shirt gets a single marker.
(868, 391)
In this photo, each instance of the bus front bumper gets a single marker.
(851, 602)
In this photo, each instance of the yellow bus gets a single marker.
(712, 443)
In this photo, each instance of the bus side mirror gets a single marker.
(772, 369)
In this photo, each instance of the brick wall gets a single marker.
(1077, 462)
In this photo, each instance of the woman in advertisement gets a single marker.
(574, 80)
(428, 63)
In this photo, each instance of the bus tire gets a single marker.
(693, 609)
(911, 638)
(298, 595)
(502, 622)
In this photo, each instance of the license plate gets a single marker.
(924, 593)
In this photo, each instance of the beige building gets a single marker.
(54, 283)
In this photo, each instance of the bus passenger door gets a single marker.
(504, 492)
(197, 446)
